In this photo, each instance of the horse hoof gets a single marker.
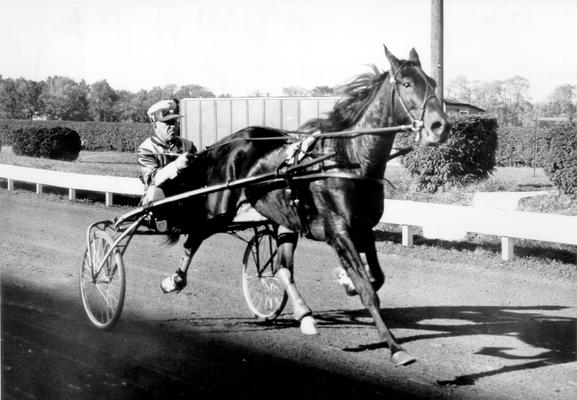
(309, 326)
(401, 357)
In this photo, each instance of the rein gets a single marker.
(324, 135)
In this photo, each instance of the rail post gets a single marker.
(507, 248)
(407, 235)
(535, 145)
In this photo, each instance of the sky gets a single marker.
(243, 46)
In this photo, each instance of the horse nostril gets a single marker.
(437, 127)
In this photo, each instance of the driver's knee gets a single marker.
(153, 193)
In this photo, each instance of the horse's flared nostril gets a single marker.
(437, 127)
(440, 130)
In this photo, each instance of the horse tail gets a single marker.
(172, 236)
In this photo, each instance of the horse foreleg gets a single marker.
(286, 243)
(354, 266)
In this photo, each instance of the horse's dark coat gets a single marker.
(337, 210)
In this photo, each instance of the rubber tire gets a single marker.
(108, 320)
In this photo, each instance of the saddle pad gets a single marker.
(248, 214)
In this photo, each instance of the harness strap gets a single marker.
(401, 152)
(341, 175)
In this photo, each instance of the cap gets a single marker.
(164, 110)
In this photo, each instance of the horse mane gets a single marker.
(358, 95)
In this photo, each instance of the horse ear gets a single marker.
(414, 57)
(394, 61)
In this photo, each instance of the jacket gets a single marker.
(156, 159)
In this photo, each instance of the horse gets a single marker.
(345, 200)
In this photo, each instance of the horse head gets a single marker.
(414, 100)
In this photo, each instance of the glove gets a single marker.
(181, 162)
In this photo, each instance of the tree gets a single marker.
(515, 93)
(64, 99)
(488, 95)
(193, 91)
(19, 98)
(139, 104)
(507, 100)
(562, 102)
(155, 94)
(170, 90)
(295, 91)
(460, 89)
(101, 102)
(8, 99)
(321, 91)
(125, 107)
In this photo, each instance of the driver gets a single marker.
(162, 156)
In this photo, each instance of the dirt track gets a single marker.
(478, 333)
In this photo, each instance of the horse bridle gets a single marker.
(417, 124)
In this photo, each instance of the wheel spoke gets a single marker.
(104, 297)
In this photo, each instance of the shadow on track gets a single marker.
(50, 351)
(555, 336)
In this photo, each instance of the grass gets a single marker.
(88, 162)
(504, 179)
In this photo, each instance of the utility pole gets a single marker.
(437, 46)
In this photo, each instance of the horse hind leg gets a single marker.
(286, 243)
(353, 264)
(372, 267)
(178, 281)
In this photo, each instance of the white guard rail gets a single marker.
(453, 222)
(96, 183)
(437, 220)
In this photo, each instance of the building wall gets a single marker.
(461, 111)
(207, 120)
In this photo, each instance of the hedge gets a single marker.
(95, 136)
(467, 156)
(517, 148)
(561, 159)
(56, 143)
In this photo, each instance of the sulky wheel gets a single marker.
(102, 281)
(263, 292)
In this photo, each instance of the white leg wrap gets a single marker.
(300, 309)
(309, 325)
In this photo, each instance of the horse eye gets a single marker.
(406, 84)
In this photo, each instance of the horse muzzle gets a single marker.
(435, 133)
